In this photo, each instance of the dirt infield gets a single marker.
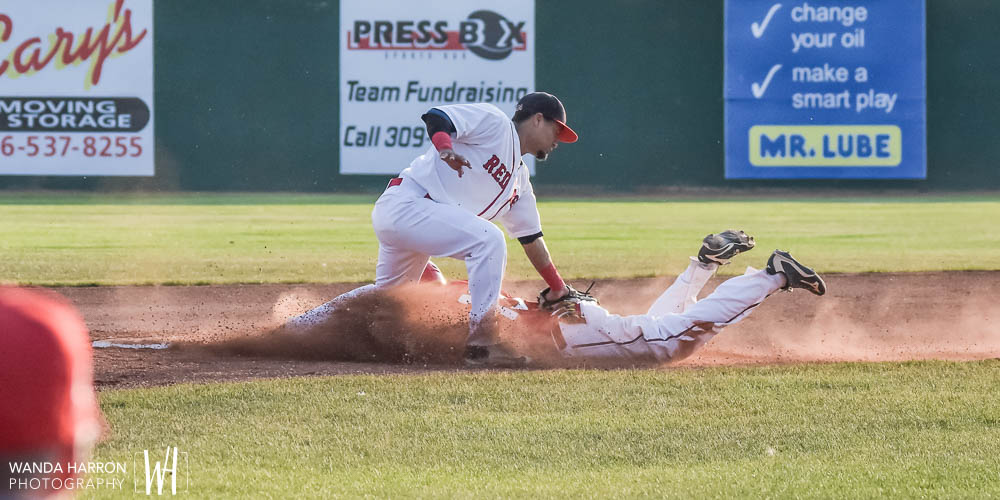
(866, 317)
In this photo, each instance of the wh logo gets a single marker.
(158, 472)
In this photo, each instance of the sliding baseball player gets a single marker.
(677, 323)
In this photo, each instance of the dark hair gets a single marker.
(522, 114)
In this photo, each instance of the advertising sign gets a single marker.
(398, 59)
(76, 87)
(825, 89)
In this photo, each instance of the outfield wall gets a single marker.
(246, 97)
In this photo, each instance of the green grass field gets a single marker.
(199, 239)
(928, 429)
(910, 430)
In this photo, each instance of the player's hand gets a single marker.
(554, 295)
(455, 160)
(563, 303)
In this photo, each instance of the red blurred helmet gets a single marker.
(48, 407)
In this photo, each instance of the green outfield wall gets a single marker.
(246, 97)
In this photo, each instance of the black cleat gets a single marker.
(493, 356)
(719, 248)
(798, 276)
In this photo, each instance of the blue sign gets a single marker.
(825, 89)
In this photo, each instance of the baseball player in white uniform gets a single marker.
(678, 323)
(445, 203)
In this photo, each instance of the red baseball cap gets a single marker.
(48, 406)
(551, 108)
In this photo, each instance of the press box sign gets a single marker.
(400, 58)
(76, 87)
(825, 89)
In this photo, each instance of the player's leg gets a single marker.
(683, 292)
(675, 336)
(322, 313)
(398, 266)
(483, 247)
(734, 299)
(394, 268)
(716, 249)
(423, 226)
(671, 336)
(400, 260)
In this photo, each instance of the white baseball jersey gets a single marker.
(498, 186)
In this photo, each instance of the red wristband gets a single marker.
(441, 140)
(552, 278)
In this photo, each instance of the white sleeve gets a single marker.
(522, 219)
(474, 122)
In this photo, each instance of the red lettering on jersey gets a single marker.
(491, 164)
(505, 181)
(499, 173)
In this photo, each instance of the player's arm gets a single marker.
(522, 222)
(440, 129)
(538, 254)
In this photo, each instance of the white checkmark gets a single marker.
(758, 89)
(758, 29)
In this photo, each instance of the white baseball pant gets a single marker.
(676, 324)
(412, 228)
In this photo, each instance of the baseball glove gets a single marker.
(566, 307)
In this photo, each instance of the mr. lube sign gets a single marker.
(825, 89)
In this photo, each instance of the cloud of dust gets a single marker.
(291, 303)
(404, 325)
(863, 318)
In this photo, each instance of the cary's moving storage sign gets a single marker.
(76, 87)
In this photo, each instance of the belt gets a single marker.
(395, 181)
